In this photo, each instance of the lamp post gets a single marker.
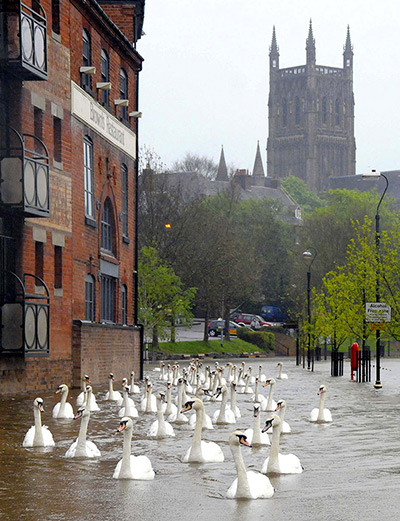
(376, 175)
(309, 256)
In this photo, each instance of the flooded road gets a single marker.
(352, 466)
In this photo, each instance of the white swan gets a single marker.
(63, 409)
(111, 395)
(180, 418)
(224, 415)
(248, 484)
(134, 388)
(171, 409)
(255, 436)
(279, 463)
(83, 448)
(281, 376)
(80, 399)
(148, 403)
(207, 423)
(124, 386)
(160, 428)
(271, 403)
(259, 398)
(281, 409)
(128, 406)
(232, 405)
(38, 435)
(247, 378)
(131, 467)
(321, 415)
(201, 451)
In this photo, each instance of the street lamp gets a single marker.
(309, 256)
(376, 175)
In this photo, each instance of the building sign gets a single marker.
(85, 108)
(377, 312)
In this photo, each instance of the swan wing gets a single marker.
(71, 451)
(290, 464)
(327, 415)
(92, 450)
(314, 415)
(56, 410)
(29, 436)
(286, 428)
(211, 452)
(231, 493)
(153, 429)
(260, 486)
(141, 468)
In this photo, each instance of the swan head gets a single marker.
(279, 364)
(86, 378)
(273, 421)
(281, 404)
(169, 385)
(218, 392)
(322, 389)
(88, 389)
(62, 389)
(233, 385)
(127, 389)
(149, 386)
(38, 402)
(270, 381)
(161, 397)
(256, 410)
(238, 438)
(124, 382)
(111, 376)
(81, 412)
(194, 403)
(125, 424)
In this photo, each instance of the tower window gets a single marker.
(107, 227)
(86, 59)
(105, 76)
(107, 298)
(123, 92)
(88, 176)
(39, 259)
(57, 140)
(57, 267)
(55, 16)
(89, 298)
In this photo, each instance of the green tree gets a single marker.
(297, 189)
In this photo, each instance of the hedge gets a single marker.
(262, 339)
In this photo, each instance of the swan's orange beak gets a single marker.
(266, 383)
(121, 427)
(186, 408)
(58, 391)
(243, 441)
(41, 408)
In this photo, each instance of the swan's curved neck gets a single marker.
(280, 371)
(233, 399)
(321, 407)
(63, 401)
(132, 381)
(243, 489)
(110, 387)
(83, 431)
(38, 438)
(223, 403)
(247, 383)
(270, 396)
(195, 452)
(257, 430)
(148, 401)
(273, 464)
(256, 391)
(168, 410)
(126, 454)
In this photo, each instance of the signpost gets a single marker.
(378, 313)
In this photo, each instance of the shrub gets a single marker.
(262, 339)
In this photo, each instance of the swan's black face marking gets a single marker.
(322, 389)
(162, 396)
(86, 378)
(59, 389)
(122, 425)
(279, 405)
(124, 382)
(256, 411)
(111, 376)
(169, 385)
(268, 424)
(267, 382)
(79, 413)
(243, 440)
(207, 392)
(233, 385)
(188, 406)
(39, 402)
(219, 391)
(127, 388)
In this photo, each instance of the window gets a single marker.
(337, 112)
(107, 298)
(55, 16)
(105, 76)
(124, 189)
(88, 176)
(86, 59)
(124, 305)
(107, 227)
(57, 140)
(297, 110)
(38, 128)
(89, 298)
(57, 266)
(123, 92)
(324, 111)
(284, 112)
(39, 259)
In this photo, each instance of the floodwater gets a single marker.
(352, 466)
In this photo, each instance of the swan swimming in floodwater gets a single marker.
(281, 376)
(232, 405)
(201, 451)
(131, 467)
(38, 435)
(63, 409)
(83, 448)
(128, 406)
(111, 395)
(161, 428)
(134, 388)
(224, 415)
(148, 403)
(271, 403)
(279, 463)
(207, 423)
(248, 484)
(321, 415)
(254, 436)
(80, 399)
(281, 410)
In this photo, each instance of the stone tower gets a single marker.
(311, 117)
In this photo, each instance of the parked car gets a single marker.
(216, 326)
(245, 319)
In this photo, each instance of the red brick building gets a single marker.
(68, 170)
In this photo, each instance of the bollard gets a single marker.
(353, 358)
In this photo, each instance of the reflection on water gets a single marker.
(352, 467)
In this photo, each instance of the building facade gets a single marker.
(311, 118)
(68, 171)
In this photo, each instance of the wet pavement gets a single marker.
(352, 466)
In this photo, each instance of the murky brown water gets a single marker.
(352, 467)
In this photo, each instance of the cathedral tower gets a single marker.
(311, 117)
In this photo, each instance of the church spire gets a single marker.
(274, 52)
(258, 169)
(222, 174)
(348, 51)
(310, 46)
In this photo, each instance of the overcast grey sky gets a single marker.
(205, 77)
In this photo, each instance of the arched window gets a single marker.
(324, 110)
(86, 59)
(123, 92)
(284, 112)
(107, 227)
(124, 305)
(297, 110)
(337, 111)
(105, 76)
(88, 176)
(89, 298)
